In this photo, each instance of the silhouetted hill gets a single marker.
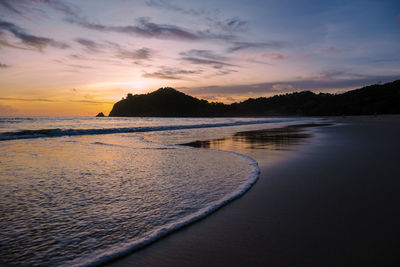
(168, 102)
(165, 102)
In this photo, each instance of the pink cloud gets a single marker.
(301, 57)
(260, 58)
(273, 56)
(282, 87)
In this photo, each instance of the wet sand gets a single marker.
(329, 200)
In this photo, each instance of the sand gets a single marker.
(331, 201)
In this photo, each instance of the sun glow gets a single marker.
(84, 56)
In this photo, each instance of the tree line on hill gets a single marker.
(168, 102)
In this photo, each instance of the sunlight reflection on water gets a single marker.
(67, 198)
(62, 199)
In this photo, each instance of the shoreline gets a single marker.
(282, 136)
(299, 212)
(112, 146)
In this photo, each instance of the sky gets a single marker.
(77, 58)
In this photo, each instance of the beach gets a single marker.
(82, 191)
(199, 133)
(331, 200)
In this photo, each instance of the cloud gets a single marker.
(119, 53)
(88, 25)
(77, 56)
(139, 54)
(224, 72)
(260, 57)
(5, 43)
(79, 66)
(205, 57)
(120, 60)
(144, 28)
(234, 24)
(92, 102)
(166, 31)
(282, 87)
(208, 58)
(28, 39)
(272, 88)
(254, 60)
(330, 49)
(229, 25)
(112, 44)
(218, 98)
(167, 73)
(203, 54)
(20, 7)
(49, 100)
(201, 61)
(6, 110)
(236, 46)
(168, 5)
(218, 29)
(210, 97)
(273, 56)
(27, 99)
(339, 74)
(61, 6)
(302, 56)
(3, 66)
(90, 45)
(398, 18)
(229, 98)
(9, 7)
(210, 35)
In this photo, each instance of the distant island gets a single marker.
(168, 102)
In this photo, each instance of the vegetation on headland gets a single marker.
(168, 102)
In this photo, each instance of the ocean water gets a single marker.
(80, 191)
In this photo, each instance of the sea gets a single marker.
(79, 191)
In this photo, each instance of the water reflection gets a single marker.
(285, 138)
(69, 199)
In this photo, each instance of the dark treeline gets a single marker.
(168, 102)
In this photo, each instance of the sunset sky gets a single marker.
(64, 58)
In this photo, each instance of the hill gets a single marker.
(168, 102)
(165, 102)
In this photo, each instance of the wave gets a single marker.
(109, 254)
(166, 147)
(57, 132)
